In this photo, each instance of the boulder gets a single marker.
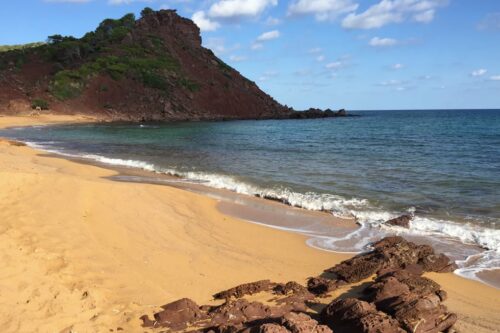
(391, 253)
(273, 328)
(245, 289)
(302, 323)
(352, 315)
(401, 221)
(176, 315)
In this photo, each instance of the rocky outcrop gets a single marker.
(313, 113)
(398, 300)
(391, 253)
(414, 301)
(354, 315)
(400, 221)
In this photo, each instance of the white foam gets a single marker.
(122, 162)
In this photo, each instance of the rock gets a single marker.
(401, 221)
(391, 253)
(358, 268)
(341, 113)
(245, 289)
(351, 315)
(413, 300)
(289, 287)
(272, 328)
(438, 263)
(302, 323)
(320, 285)
(238, 312)
(176, 315)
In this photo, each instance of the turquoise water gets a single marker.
(443, 166)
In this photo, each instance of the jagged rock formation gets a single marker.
(153, 68)
(398, 300)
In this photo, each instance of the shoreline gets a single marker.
(185, 231)
(236, 203)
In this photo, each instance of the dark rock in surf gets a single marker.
(401, 221)
(391, 253)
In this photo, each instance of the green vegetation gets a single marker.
(189, 85)
(6, 48)
(67, 84)
(103, 51)
(146, 11)
(223, 66)
(40, 103)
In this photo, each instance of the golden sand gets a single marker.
(82, 253)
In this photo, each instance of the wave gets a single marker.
(371, 219)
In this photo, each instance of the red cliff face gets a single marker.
(150, 69)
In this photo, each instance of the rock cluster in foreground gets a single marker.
(399, 299)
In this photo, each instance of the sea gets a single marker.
(442, 166)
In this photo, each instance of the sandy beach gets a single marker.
(83, 253)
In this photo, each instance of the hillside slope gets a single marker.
(153, 68)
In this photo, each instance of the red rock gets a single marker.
(400, 221)
(245, 289)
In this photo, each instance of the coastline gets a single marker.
(98, 264)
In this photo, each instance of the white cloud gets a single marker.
(236, 58)
(320, 58)
(203, 22)
(273, 21)
(256, 46)
(490, 22)
(396, 85)
(315, 50)
(268, 35)
(425, 77)
(390, 83)
(340, 63)
(382, 42)
(268, 75)
(397, 66)
(239, 8)
(425, 17)
(334, 65)
(478, 72)
(393, 11)
(322, 9)
(495, 78)
(218, 46)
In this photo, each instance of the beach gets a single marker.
(84, 253)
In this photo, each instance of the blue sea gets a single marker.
(443, 166)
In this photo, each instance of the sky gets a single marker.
(353, 54)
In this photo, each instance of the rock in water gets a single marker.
(401, 221)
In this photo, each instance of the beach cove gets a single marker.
(83, 253)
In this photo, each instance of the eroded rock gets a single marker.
(400, 221)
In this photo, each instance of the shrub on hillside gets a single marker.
(40, 103)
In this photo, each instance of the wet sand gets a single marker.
(83, 252)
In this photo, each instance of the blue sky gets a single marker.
(354, 54)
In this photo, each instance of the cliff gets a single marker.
(153, 68)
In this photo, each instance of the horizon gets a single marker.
(392, 56)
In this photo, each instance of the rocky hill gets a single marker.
(152, 68)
